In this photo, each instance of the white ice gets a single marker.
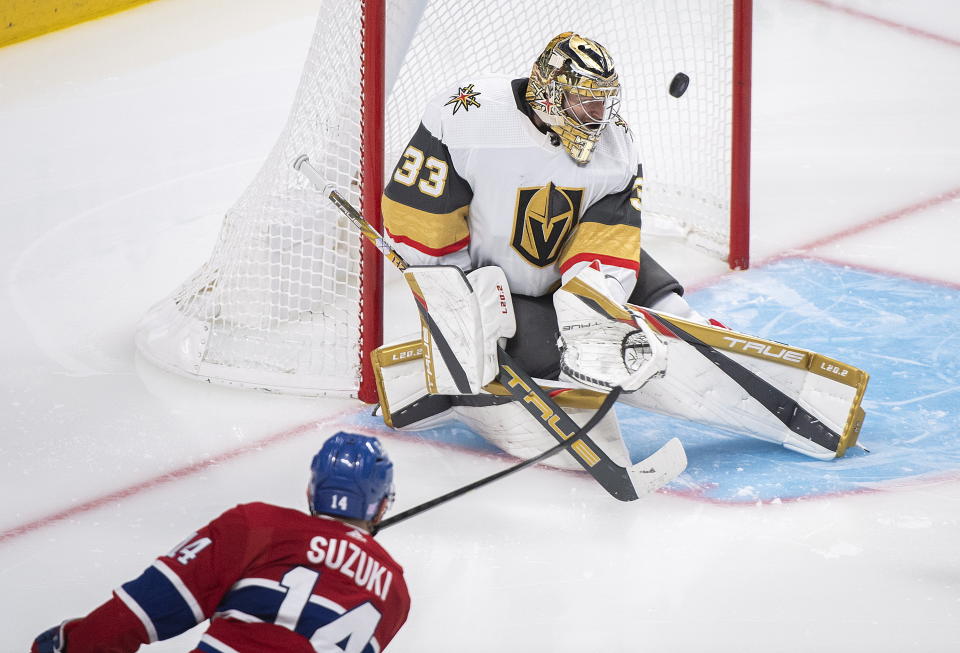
(125, 139)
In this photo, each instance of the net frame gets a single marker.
(192, 331)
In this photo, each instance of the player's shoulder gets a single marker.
(471, 102)
(299, 524)
(470, 95)
(618, 147)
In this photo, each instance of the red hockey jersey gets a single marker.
(269, 579)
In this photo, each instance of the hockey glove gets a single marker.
(674, 304)
(52, 640)
(602, 345)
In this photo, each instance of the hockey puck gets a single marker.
(678, 85)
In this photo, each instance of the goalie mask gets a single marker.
(575, 90)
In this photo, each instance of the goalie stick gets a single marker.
(623, 483)
(608, 402)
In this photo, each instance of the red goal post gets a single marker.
(291, 297)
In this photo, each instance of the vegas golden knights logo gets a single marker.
(544, 217)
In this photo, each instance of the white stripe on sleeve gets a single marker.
(182, 589)
(137, 610)
(217, 644)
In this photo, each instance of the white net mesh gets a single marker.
(685, 142)
(278, 304)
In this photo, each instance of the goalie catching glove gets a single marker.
(601, 345)
(470, 314)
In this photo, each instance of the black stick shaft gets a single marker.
(608, 401)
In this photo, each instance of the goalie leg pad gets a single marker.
(469, 314)
(797, 398)
(510, 428)
(405, 404)
(401, 386)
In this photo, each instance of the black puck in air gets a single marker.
(678, 85)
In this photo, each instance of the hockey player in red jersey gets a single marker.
(268, 578)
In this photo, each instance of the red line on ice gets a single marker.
(162, 479)
(954, 285)
(898, 214)
(913, 31)
(806, 249)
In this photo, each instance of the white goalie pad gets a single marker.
(406, 405)
(807, 402)
(467, 315)
(497, 319)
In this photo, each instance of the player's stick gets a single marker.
(624, 483)
(608, 402)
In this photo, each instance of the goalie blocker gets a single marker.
(732, 381)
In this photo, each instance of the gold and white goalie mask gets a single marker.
(575, 89)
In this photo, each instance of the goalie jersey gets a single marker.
(479, 184)
(269, 579)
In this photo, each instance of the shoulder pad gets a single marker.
(617, 142)
(476, 112)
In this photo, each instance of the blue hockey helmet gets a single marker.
(351, 475)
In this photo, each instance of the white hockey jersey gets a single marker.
(479, 184)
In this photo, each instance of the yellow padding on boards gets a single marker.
(23, 19)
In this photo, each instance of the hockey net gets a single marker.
(287, 302)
